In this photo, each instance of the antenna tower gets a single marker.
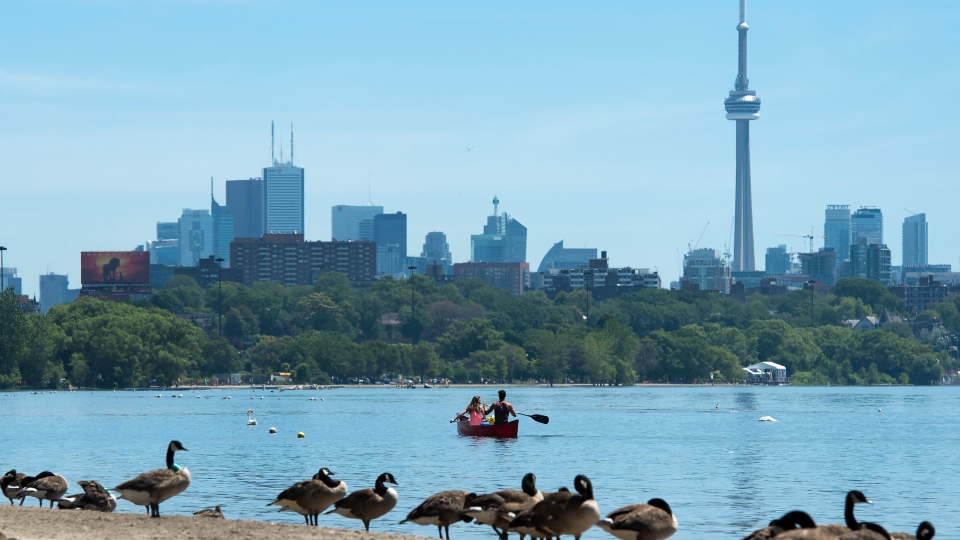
(273, 158)
(291, 143)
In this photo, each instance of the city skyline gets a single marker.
(105, 141)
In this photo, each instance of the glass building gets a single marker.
(352, 223)
(283, 199)
(915, 240)
(245, 203)
(836, 230)
(866, 223)
(196, 236)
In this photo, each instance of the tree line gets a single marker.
(467, 332)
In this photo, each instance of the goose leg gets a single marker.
(149, 513)
(440, 531)
(366, 524)
(447, 527)
(306, 519)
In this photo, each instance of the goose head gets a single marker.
(793, 520)
(175, 446)
(853, 497)
(661, 504)
(583, 486)
(386, 477)
(925, 531)
(529, 484)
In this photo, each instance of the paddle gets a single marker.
(538, 418)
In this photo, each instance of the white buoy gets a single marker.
(767, 419)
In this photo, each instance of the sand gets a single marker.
(26, 523)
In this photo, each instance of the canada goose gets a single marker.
(493, 508)
(441, 509)
(522, 522)
(566, 512)
(94, 497)
(789, 521)
(833, 530)
(151, 488)
(10, 485)
(867, 531)
(651, 521)
(215, 513)
(312, 497)
(370, 503)
(46, 486)
(925, 531)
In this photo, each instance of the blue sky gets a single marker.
(600, 124)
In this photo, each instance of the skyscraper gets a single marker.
(390, 234)
(836, 229)
(196, 236)
(504, 239)
(866, 222)
(915, 240)
(436, 250)
(223, 229)
(560, 257)
(777, 261)
(283, 195)
(352, 223)
(245, 203)
(743, 105)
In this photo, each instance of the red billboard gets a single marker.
(114, 269)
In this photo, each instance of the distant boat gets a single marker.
(425, 385)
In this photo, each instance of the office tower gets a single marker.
(167, 230)
(778, 261)
(196, 236)
(836, 229)
(820, 266)
(870, 261)
(436, 250)
(705, 270)
(55, 289)
(352, 223)
(559, 257)
(245, 203)
(742, 106)
(867, 223)
(283, 194)
(390, 234)
(223, 229)
(9, 279)
(504, 239)
(915, 240)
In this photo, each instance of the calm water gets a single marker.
(723, 472)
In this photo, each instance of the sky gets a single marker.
(600, 124)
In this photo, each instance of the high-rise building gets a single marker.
(866, 223)
(705, 270)
(836, 230)
(742, 106)
(436, 250)
(560, 257)
(915, 240)
(513, 277)
(245, 203)
(168, 230)
(820, 266)
(777, 261)
(165, 249)
(289, 260)
(55, 289)
(504, 239)
(283, 194)
(9, 279)
(223, 230)
(352, 223)
(390, 234)
(870, 261)
(196, 236)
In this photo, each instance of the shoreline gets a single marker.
(32, 523)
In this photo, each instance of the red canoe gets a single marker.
(506, 431)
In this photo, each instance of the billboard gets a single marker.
(115, 269)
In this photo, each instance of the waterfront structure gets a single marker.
(915, 240)
(836, 230)
(513, 277)
(743, 106)
(54, 290)
(195, 236)
(223, 229)
(245, 203)
(777, 261)
(352, 223)
(820, 266)
(870, 261)
(705, 270)
(866, 223)
(504, 239)
(436, 251)
(289, 260)
(559, 257)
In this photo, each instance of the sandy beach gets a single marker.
(32, 523)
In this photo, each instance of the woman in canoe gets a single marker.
(474, 409)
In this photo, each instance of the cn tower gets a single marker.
(742, 106)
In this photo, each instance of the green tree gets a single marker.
(13, 326)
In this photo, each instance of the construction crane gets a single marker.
(809, 237)
(694, 246)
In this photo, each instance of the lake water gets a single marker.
(723, 472)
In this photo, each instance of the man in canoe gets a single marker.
(501, 409)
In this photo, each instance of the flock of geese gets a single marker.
(528, 511)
